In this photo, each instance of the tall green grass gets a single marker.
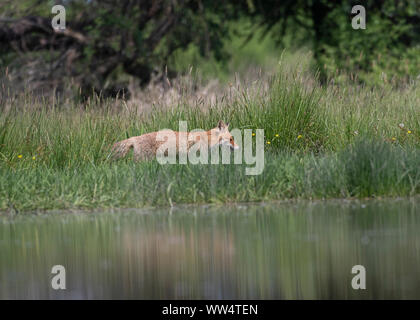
(62, 136)
(323, 142)
(364, 169)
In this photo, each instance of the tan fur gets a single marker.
(145, 146)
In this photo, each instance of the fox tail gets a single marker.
(121, 148)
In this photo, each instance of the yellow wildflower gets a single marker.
(20, 156)
(253, 134)
(277, 134)
(33, 158)
(393, 138)
(409, 131)
(268, 142)
(299, 136)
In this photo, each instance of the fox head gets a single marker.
(224, 138)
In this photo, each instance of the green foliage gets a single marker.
(136, 38)
(386, 51)
(241, 49)
(375, 167)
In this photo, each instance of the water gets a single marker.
(303, 250)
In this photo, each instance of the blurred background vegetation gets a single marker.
(107, 43)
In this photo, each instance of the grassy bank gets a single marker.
(364, 169)
(320, 142)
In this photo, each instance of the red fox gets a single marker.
(145, 147)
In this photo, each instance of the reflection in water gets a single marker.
(270, 251)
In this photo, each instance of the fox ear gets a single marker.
(221, 125)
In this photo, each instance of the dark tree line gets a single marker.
(137, 37)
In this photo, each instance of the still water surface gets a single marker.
(303, 250)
